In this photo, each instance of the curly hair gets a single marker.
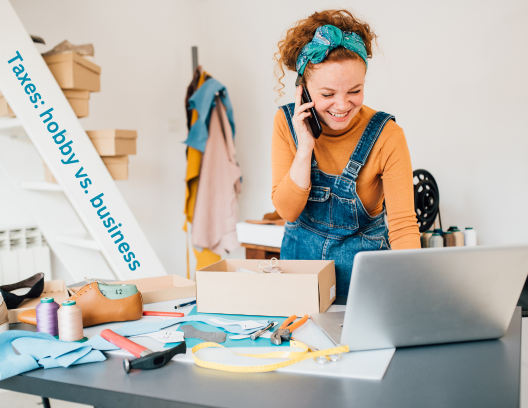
(302, 32)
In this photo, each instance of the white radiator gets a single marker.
(23, 253)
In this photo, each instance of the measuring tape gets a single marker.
(294, 357)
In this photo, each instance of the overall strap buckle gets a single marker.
(366, 143)
(352, 168)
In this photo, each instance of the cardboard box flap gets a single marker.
(54, 288)
(75, 58)
(76, 94)
(112, 134)
(161, 288)
(297, 267)
(327, 287)
(146, 285)
(110, 160)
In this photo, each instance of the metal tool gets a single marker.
(146, 359)
(284, 332)
(256, 335)
(321, 359)
(185, 305)
(162, 314)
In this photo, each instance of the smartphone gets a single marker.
(313, 120)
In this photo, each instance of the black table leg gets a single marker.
(45, 402)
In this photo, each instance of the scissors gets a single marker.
(284, 332)
(321, 359)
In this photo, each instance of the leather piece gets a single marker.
(35, 282)
(97, 309)
(193, 333)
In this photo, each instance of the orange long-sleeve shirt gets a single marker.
(386, 175)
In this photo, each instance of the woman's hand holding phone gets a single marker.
(300, 169)
(300, 122)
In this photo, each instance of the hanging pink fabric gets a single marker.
(216, 210)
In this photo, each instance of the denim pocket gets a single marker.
(292, 225)
(375, 238)
(317, 207)
(344, 213)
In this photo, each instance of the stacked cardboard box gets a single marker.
(114, 146)
(5, 109)
(76, 76)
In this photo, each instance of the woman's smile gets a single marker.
(339, 117)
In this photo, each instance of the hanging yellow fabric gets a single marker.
(294, 357)
(194, 161)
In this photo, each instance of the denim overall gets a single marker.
(334, 224)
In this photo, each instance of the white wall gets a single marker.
(144, 50)
(453, 73)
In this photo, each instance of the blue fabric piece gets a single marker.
(334, 224)
(203, 100)
(42, 347)
(327, 38)
(45, 348)
(260, 342)
(138, 327)
(98, 343)
(12, 364)
(94, 356)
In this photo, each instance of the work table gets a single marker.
(472, 374)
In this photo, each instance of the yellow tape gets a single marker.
(294, 357)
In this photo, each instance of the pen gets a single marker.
(185, 304)
(256, 335)
(166, 314)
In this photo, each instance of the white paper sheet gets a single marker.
(369, 365)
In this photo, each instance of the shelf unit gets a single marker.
(65, 213)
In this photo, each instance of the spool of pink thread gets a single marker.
(47, 319)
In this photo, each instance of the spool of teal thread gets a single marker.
(438, 231)
(459, 237)
(436, 241)
(452, 228)
(425, 238)
(449, 239)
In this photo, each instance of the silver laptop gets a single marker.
(428, 296)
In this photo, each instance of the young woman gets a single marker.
(334, 190)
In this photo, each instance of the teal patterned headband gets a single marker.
(327, 38)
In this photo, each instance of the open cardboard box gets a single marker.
(304, 287)
(54, 288)
(162, 288)
(72, 71)
(113, 142)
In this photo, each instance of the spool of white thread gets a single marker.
(70, 321)
(425, 238)
(436, 241)
(470, 237)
